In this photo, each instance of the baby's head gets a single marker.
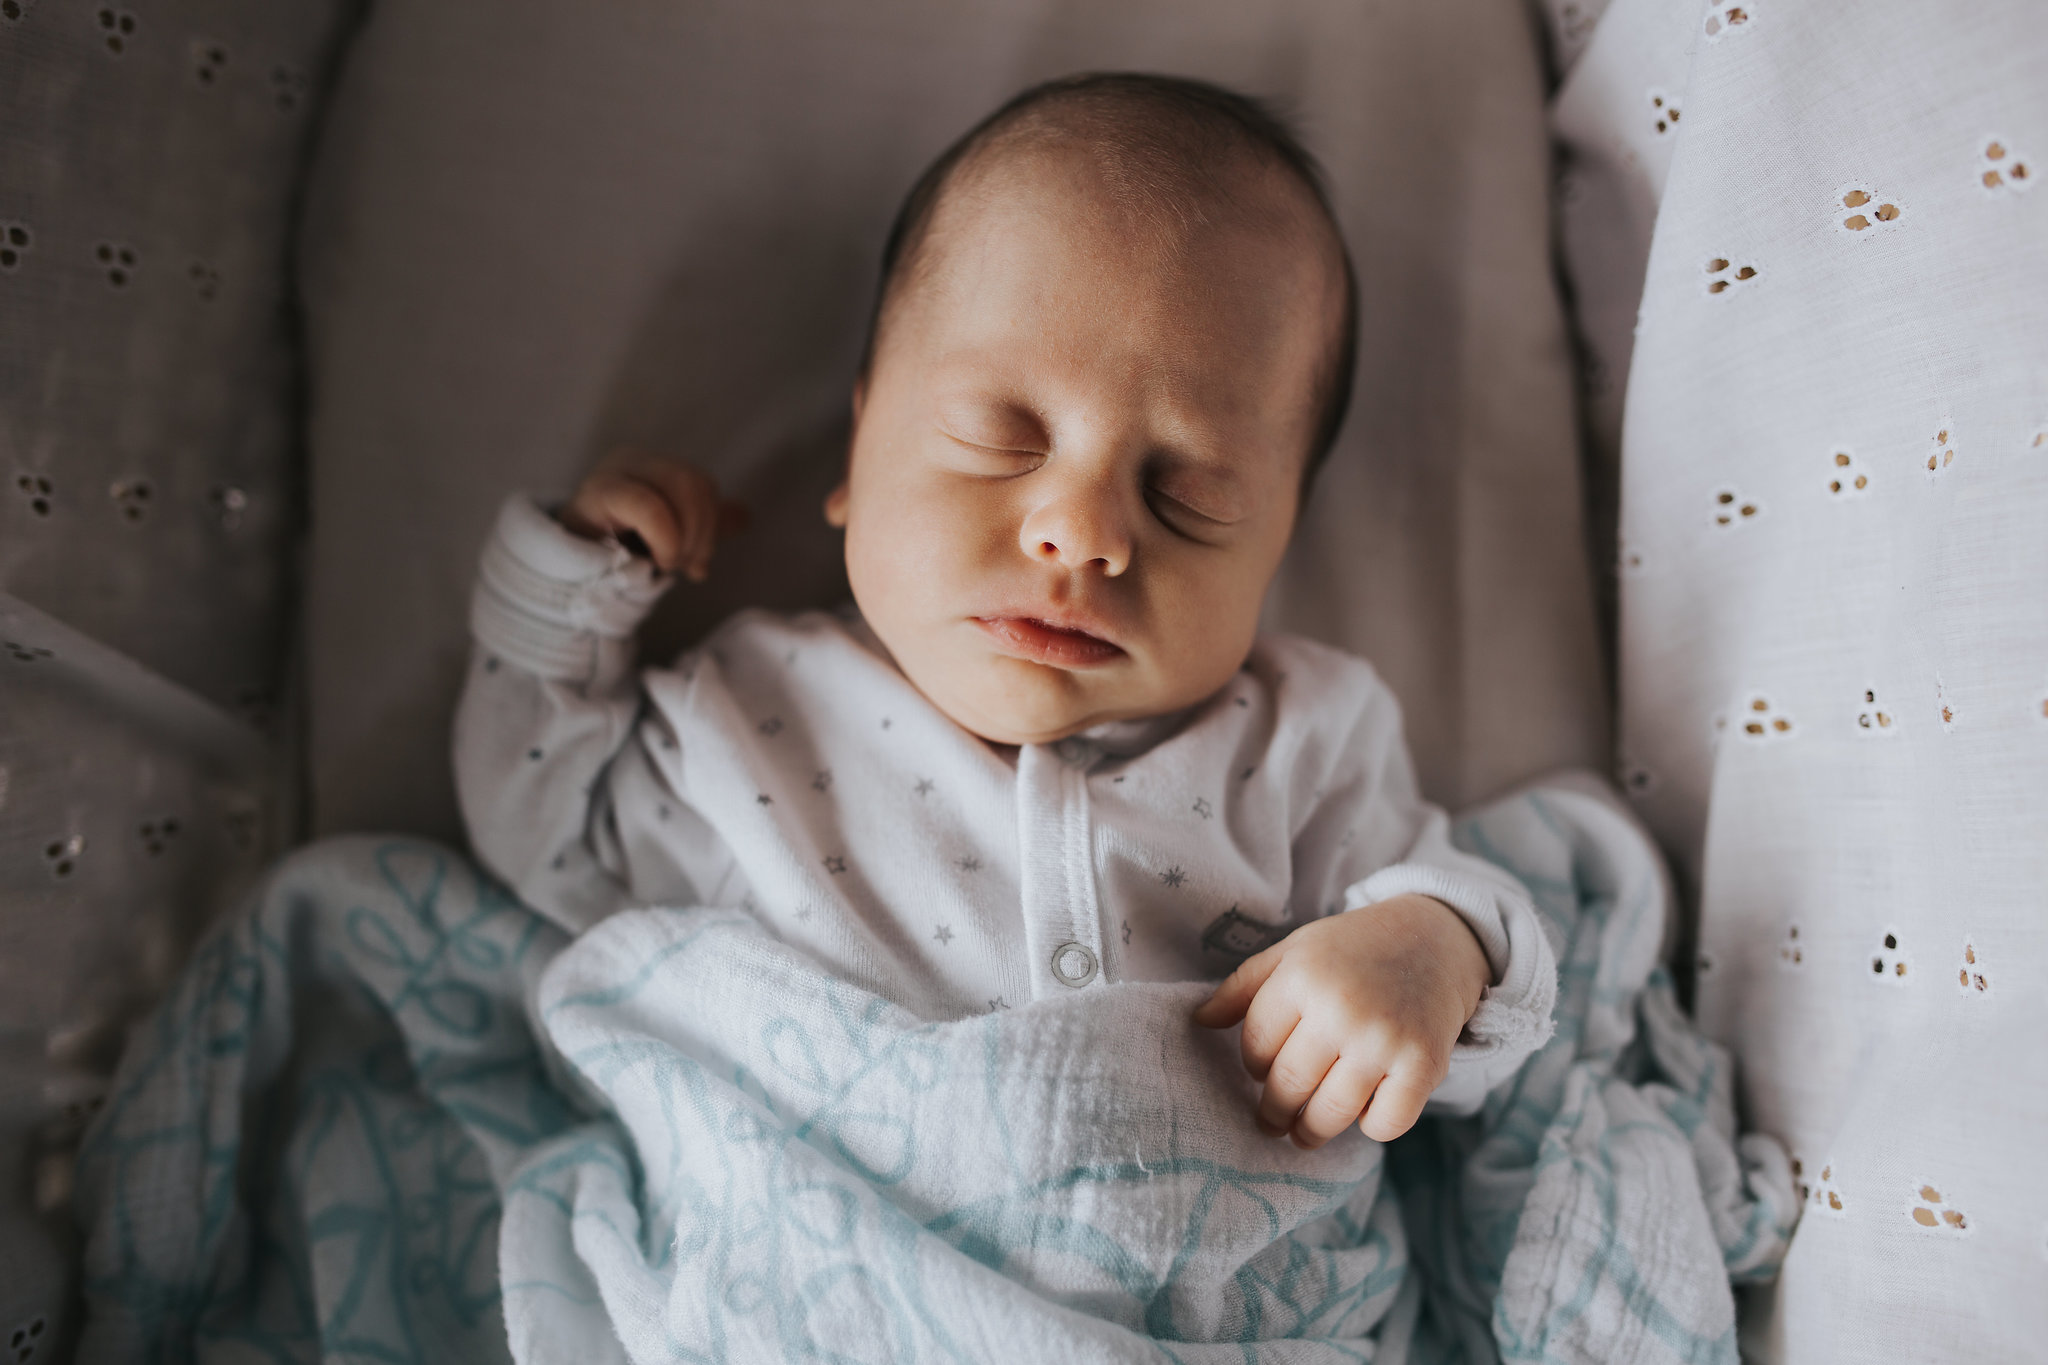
(1113, 340)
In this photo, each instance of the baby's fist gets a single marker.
(672, 511)
(1354, 1015)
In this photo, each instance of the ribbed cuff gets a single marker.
(1475, 902)
(556, 605)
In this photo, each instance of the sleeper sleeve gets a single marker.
(1397, 844)
(550, 699)
(1514, 1014)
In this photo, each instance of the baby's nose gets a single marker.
(1078, 533)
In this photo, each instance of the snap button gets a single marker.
(1073, 965)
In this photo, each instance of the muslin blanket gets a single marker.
(389, 1114)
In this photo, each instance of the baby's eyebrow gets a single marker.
(1211, 463)
(1186, 420)
(1203, 447)
(1216, 476)
(982, 409)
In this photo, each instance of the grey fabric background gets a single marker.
(533, 235)
(150, 161)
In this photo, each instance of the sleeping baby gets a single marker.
(1046, 750)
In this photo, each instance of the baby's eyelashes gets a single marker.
(1179, 516)
(975, 458)
(995, 425)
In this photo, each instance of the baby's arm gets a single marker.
(1432, 986)
(552, 696)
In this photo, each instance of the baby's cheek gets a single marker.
(1206, 632)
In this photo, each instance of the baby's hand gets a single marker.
(673, 511)
(1360, 1008)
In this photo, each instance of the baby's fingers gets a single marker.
(1234, 996)
(701, 516)
(1337, 1103)
(694, 501)
(1398, 1101)
(1294, 1075)
(624, 506)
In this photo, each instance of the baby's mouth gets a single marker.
(1042, 642)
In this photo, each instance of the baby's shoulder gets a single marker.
(1313, 683)
(757, 634)
(817, 662)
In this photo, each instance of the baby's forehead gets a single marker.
(1053, 233)
(1172, 189)
(1182, 242)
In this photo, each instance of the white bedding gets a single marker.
(1835, 705)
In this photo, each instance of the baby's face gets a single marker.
(1077, 454)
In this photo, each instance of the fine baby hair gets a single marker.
(1169, 143)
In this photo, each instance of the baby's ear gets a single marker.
(836, 500)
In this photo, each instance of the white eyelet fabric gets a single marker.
(1834, 644)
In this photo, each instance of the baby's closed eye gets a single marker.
(1192, 500)
(997, 432)
(1187, 512)
(988, 461)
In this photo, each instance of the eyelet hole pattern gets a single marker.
(16, 240)
(25, 1338)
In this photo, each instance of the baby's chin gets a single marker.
(1008, 701)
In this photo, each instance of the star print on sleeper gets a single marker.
(979, 874)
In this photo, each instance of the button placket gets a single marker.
(1062, 921)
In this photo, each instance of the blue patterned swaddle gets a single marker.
(389, 1114)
